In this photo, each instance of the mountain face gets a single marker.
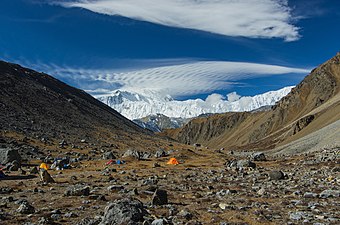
(136, 105)
(310, 106)
(36, 105)
(159, 122)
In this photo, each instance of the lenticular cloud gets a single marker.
(247, 18)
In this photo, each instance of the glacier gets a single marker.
(135, 104)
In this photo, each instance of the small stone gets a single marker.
(155, 165)
(115, 188)
(259, 156)
(262, 191)
(70, 215)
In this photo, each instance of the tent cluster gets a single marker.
(118, 162)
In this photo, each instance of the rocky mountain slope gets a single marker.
(36, 106)
(143, 103)
(310, 106)
(159, 122)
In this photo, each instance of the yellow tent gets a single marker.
(172, 161)
(43, 166)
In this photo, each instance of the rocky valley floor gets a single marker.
(207, 187)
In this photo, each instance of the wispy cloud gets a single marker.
(247, 18)
(176, 80)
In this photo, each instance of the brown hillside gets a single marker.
(37, 106)
(311, 105)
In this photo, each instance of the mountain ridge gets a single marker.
(313, 103)
(136, 105)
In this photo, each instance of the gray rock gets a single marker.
(297, 215)
(160, 197)
(6, 190)
(159, 222)
(161, 153)
(45, 176)
(70, 215)
(132, 153)
(310, 195)
(125, 211)
(78, 190)
(25, 208)
(329, 193)
(109, 155)
(88, 221)
(259, 156)
(245, 163)
(136, 154)
(8, 155)
(185, 214)
(276, 175)
(115, 188)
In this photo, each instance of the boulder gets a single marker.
(109, 155)
(160, 153)
(259, 156)
(8, 155)
(136, 154)
(132, 153)
(160, 197)
(45, 176)
(25, 208)
(125, 211)
(330, 193)
(245, 163)
(78, 190)
(276, 175)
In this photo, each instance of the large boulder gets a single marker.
(8, 155)
(78, 190)
(161, 153)
(160, 197)
(136, 154)
(243, 163)
(25, 208)
(276, 175)
(125, 211)
(45, 177)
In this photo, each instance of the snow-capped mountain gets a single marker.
(159, 122)
(142, 103)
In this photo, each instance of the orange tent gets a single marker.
(43, 166)
(172, 161)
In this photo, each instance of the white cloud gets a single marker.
(232, 97)
(247, 18)
(214, 98)
(176, 80)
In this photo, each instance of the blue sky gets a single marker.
(187, 49)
